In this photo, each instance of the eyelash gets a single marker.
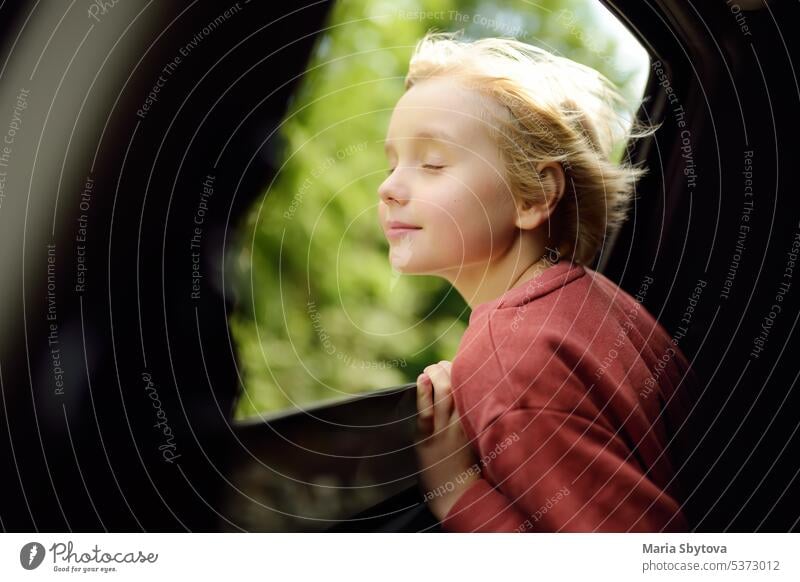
(426, 166)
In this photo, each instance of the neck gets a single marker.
(481, 283)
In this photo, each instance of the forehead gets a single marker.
(425, 133)
(440, 110)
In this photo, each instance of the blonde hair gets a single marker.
(560, 111)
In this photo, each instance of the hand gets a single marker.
(447, 462)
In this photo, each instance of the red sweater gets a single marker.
(562, 385)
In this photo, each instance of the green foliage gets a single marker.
(321, 313)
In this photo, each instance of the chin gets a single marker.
(406, 268)
(407, 265)
(401, 255)
(415, 267)
(408, 261)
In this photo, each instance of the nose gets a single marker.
(392, 190)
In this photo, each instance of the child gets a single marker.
(553, 414)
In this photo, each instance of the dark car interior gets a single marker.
(96, 228)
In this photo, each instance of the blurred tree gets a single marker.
(321, 312)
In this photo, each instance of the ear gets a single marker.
(552, 181)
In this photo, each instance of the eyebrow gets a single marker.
(434, 134)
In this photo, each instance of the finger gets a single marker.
(424, 404)
(455, 419)
(442, 397)
(454, 416)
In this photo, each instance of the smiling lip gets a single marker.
(396, 232)
(397, 229)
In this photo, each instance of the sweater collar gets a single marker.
(552, 278)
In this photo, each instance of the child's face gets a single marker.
(451, 186)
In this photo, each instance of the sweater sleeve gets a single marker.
(555, 471)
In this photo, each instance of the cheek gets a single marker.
(477, 219)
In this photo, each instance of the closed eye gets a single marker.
(426, 166)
